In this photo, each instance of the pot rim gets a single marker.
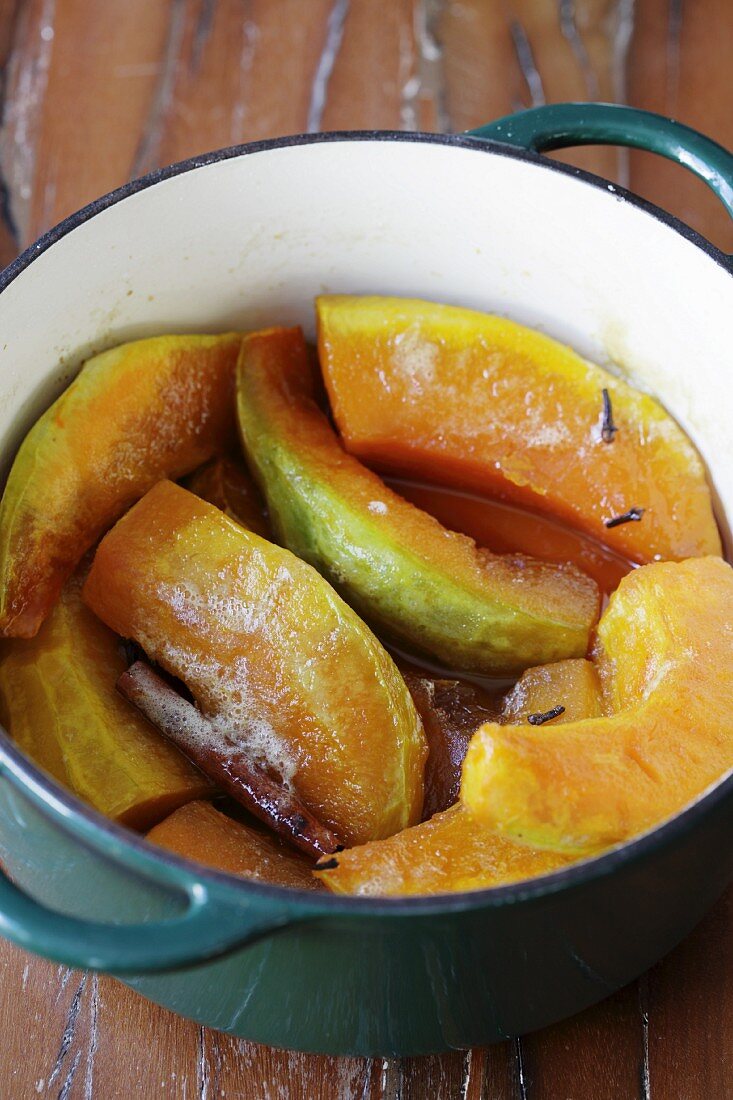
(137, 854)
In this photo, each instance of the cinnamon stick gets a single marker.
(232, 770)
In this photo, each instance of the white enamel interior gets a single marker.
(250, 240)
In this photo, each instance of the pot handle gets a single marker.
(559, 125)
(207, 930)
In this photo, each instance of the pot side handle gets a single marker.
(559, 125)
(207, 930)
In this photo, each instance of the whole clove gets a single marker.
(608, 428)
(632, 516)
(546, 716)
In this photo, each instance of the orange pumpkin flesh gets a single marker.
(665, 659)
(204, 835)
(481, 402)
(271, 654)
(150, 409)
(451, 852)
(58, 702)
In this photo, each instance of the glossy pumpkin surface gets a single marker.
(665, 657)
(58, 702)
(150, 409)
(271, 653)
(480, 401)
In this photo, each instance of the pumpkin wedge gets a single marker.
(200, 833)
(149, 409)
(665, 657)
(424, 585)
(277, 662)
(450, 853)
(475, 400)
(59, 704)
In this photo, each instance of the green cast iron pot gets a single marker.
(245, 237)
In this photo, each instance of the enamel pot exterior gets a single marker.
(246, 238)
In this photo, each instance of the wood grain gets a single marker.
(680, 65)
(95, 92)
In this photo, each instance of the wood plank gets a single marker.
(78, 1036)
(368, 82)
(680, 65)
(233, 1067)
(226, 70)
(134, 1047)
(500, 58)
(599, 1053)
(40, 1006)
(77, 96)
(690, 1009)
(10, 243)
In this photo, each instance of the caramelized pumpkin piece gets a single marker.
(475, 400)
(572, 685)
(150, 409)
(273, 657)
(666, 663)
(395, 564)
(451, 712)
(227, 484)
(200, 833)
(451, 852)
(58, 702)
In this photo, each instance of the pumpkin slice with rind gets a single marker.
(142, 411)
(479, 401)
(58, 702)
(283, 669)
(665, 658)
(399, 567)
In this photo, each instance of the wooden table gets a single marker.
(98, 91)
